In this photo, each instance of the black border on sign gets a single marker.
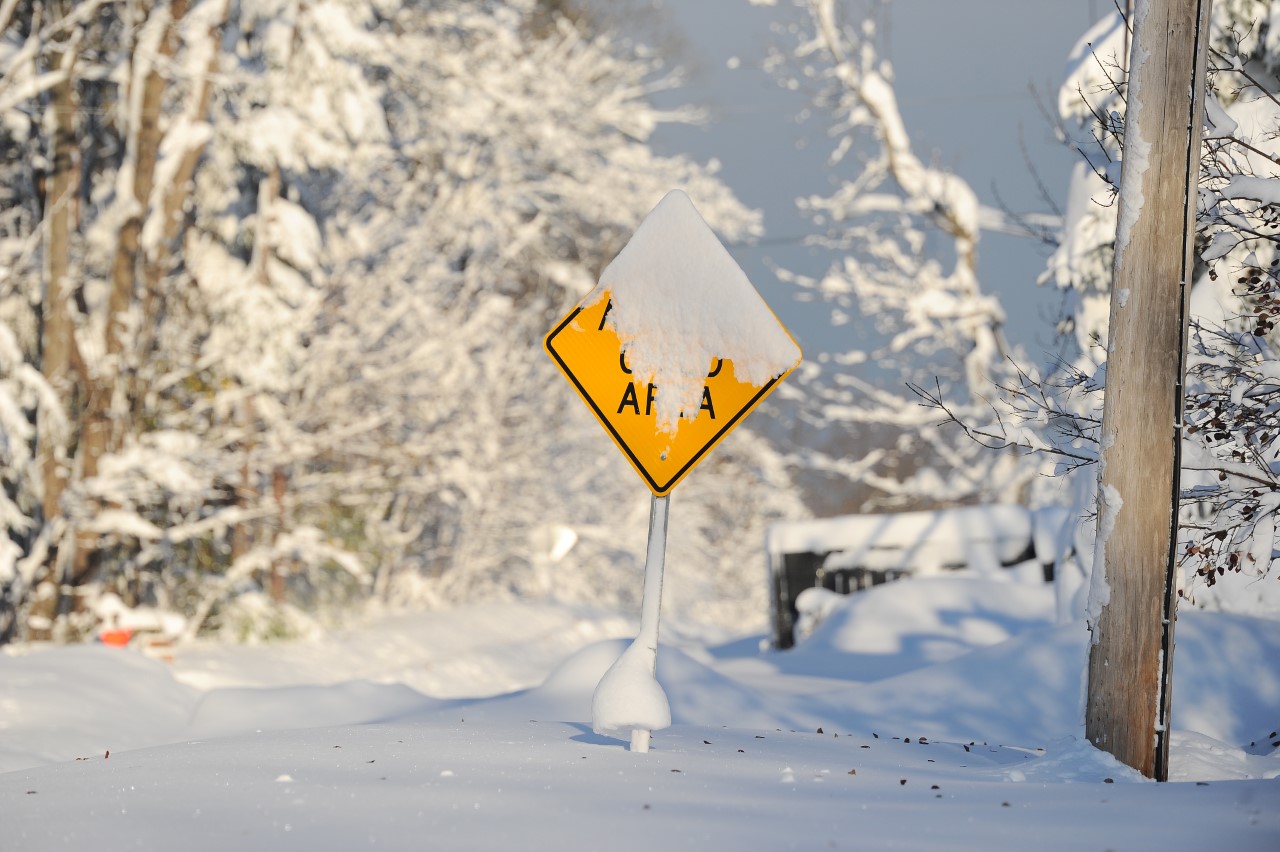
(659, 490)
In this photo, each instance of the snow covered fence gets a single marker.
(845, 554)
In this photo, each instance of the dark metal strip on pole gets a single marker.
(651, 605)
(1195, 125)
(1130, 660)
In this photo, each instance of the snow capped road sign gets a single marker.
(674, 347)
(591, 356)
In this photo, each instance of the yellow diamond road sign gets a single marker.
(589, 353)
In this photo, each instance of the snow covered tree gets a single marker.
(947, 332)
(311, 248)
(1227, 477)
(514, 203)
(940, 333)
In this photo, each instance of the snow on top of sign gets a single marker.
(680, 301)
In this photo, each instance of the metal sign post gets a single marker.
(651, 606)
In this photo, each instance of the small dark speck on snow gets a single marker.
(742, 751)
(1005, 805)
(675, 770)
(934, 787)
(31, 792)
(853, 772)
(902, 782)
(706, 742)
(759, 736)
(866, 746)
(1108, 781)
(1202, 783)
(819, 730)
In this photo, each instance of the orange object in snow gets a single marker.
(116, 637)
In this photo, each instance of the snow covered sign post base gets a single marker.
(670, 351)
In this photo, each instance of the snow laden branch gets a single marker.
(941, 198)
(1030, 418)
(930, 320)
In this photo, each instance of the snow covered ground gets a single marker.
(930, 713)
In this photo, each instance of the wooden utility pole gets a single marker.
(1131, 658)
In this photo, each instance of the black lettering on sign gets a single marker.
(706, 402)
(608, 307)
(622, 362)
(629, 398)
(716, 370)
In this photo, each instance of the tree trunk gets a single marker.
(247, 493)
(279, 481)
(103, 428)
(1130, 660)
(173, 206)
(57, 342)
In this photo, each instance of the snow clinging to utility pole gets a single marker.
(1109, 503)
(1136, 149)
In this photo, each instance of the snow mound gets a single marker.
(902, 626)
(64, 703)
(229, 711)
(629, 698)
